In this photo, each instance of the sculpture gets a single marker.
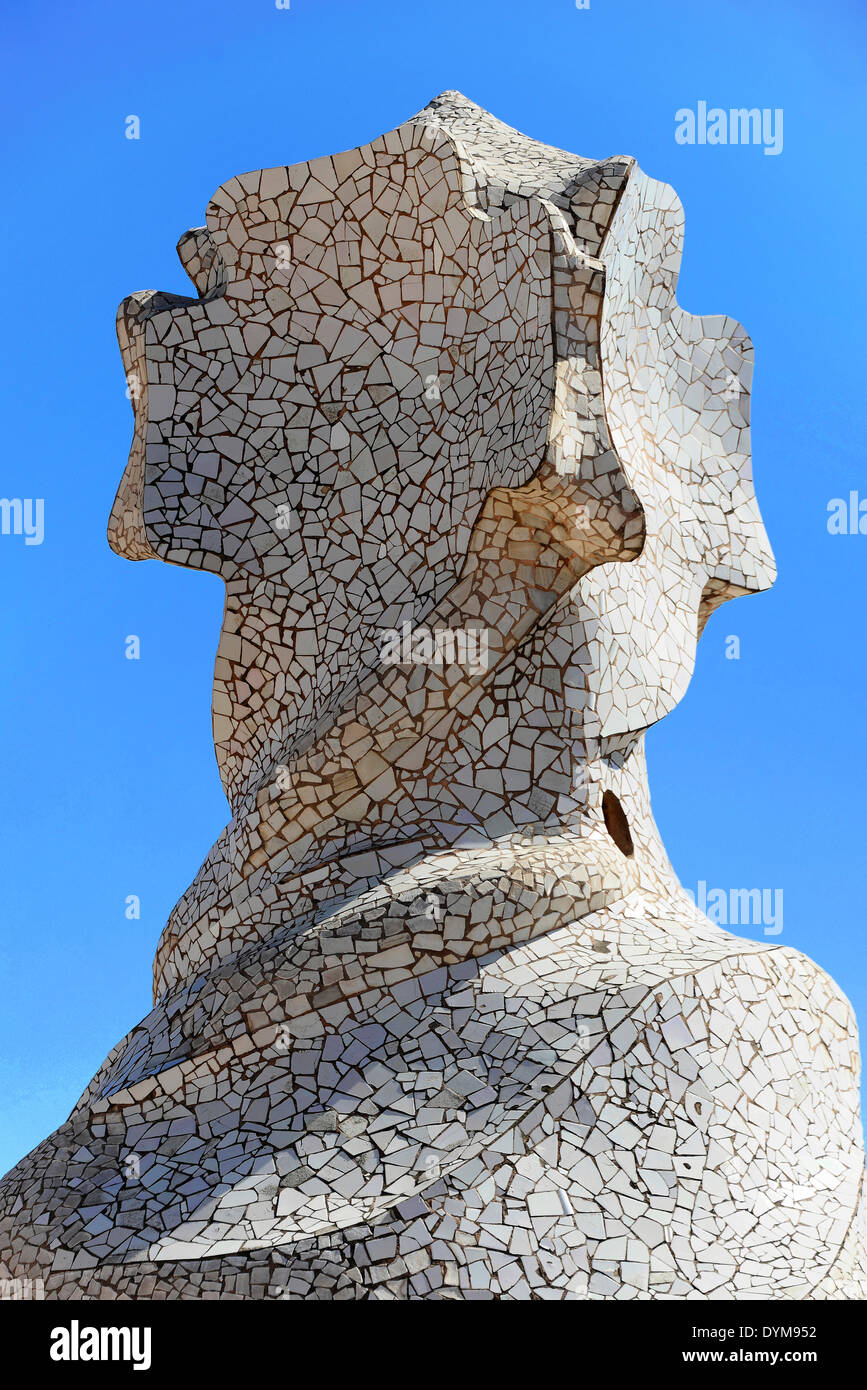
(435, 1018)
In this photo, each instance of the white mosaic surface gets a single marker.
(435, 1018)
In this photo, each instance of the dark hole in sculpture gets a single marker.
(616, 824)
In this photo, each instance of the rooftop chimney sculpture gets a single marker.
(435, 1018)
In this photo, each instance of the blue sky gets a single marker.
(109, 785)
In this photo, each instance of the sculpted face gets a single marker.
(677, 400)
(372, 355)
(365, 329)
(372, 362)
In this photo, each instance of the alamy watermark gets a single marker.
(23, 516)
(735, 126)
(741, 907)
(77, 1343)
(22, 1290)
(440, 646)
(847, 518)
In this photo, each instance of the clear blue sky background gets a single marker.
(109, 785)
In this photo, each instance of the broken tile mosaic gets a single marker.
(435, 1019)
